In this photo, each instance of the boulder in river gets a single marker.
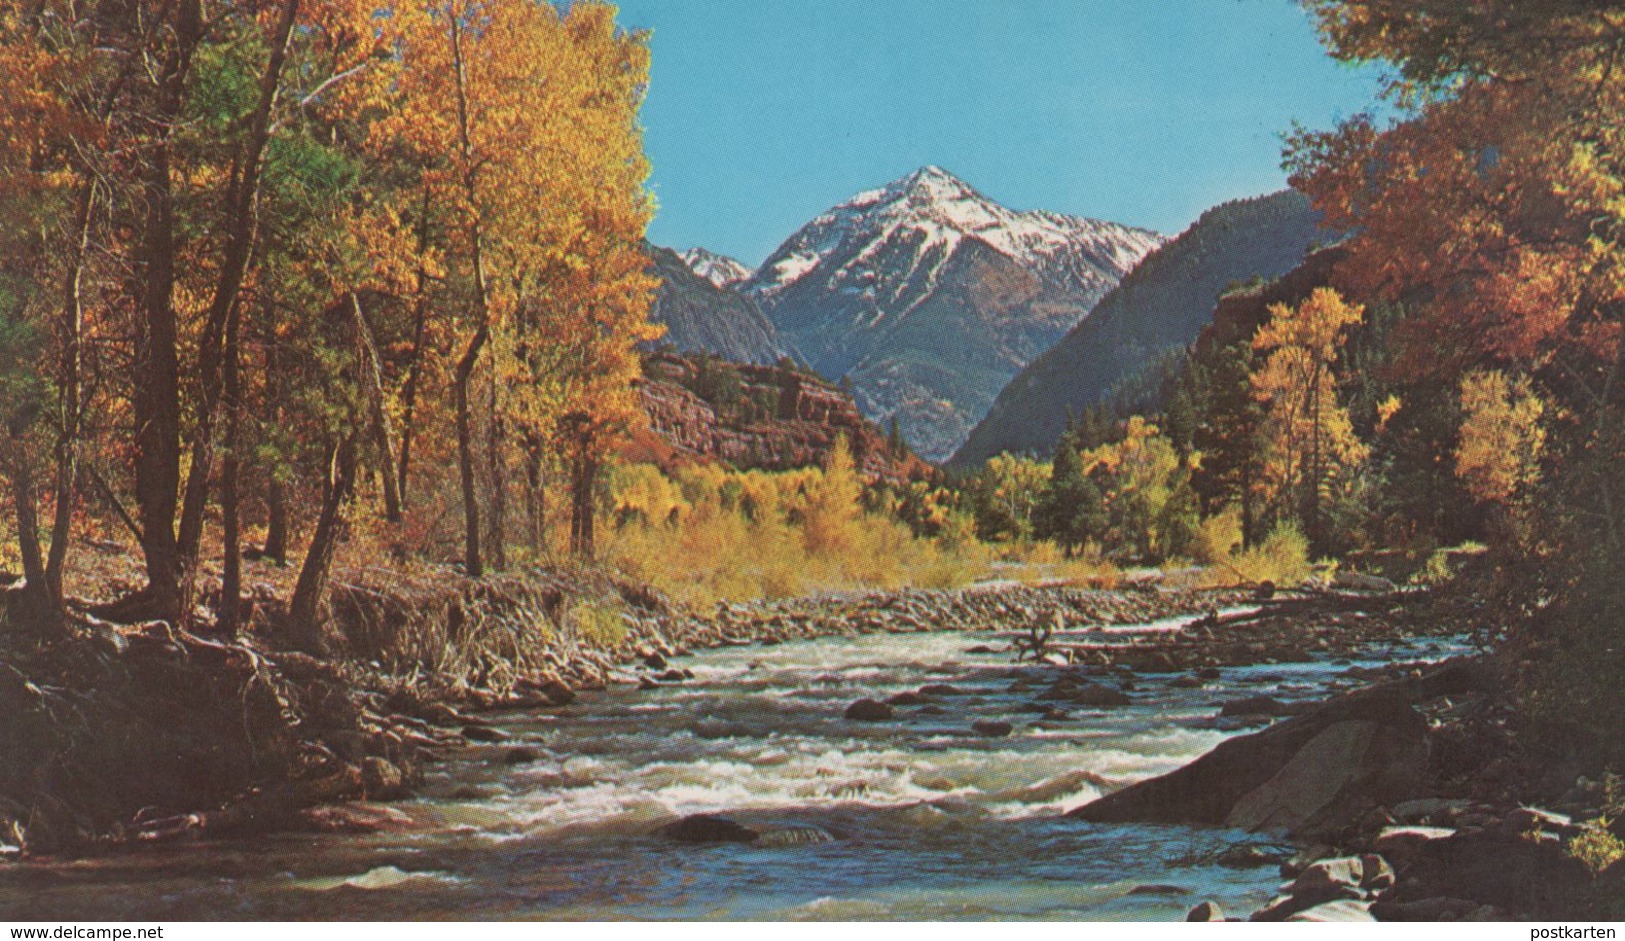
(940, 689)
(1255, 706)
(907, 699)
(521, 756)
(1332, 890)
(992, 728)
(1313, 774)
(1206, 911)
(1098, 696)
(706, 828)
(868, 710)
(381, 779)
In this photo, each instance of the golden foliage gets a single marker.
(1501, 435)
(1310, 449)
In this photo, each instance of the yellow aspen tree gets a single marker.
(1501, 435)
(1310, 445)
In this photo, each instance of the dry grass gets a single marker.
(1044, 564)
(1282, 559)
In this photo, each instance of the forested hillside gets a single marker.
(1159, 307)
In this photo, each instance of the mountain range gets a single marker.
(927, 297)
(1161, 306)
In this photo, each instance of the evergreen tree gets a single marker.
(1071, 511)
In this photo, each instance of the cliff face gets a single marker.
(762, 417)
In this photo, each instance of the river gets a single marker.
(931, 821)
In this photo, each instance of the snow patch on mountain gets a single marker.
(720, 270)
(928, 215)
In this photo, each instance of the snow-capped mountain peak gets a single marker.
(933, 212)
(720, 270)
(928, 296)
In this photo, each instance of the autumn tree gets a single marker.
(1491, 208)
(538, 166)
(1309, 445)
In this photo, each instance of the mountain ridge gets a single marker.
(1162, 305)
(928, 296)
(701, 317)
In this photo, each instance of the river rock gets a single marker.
(521, 756)
(1340, 910)
(1099, 696)
(1404, 844)
(380, 779)
(1424, 809)
(1533, 819)
(706, 828)
(1355, 880)
(1345, 770)
(1156, 888)
(1206, 911)
(1249, 856)
(1439, 908)
(867, 710)
(1255, 706)
(1314, 773)
(550, 689)
(1499, 868)
(483, 733)
(907, 699)
(1357, 581)
(940, 689)
(1304, 858)
(992, 728)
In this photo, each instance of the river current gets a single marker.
(930, 820)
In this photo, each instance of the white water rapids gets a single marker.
(931, 821)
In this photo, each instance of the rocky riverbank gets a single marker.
(241, 734)
(415, 659)
(1408, 802)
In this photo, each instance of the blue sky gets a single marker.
(763, 113)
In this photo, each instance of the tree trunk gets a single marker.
(276, 496)
(36, 592)
(229, 616)
(496, 468)
(276, 521)
(156, 404)
(472, 560)
(583, 478)
(420, 322)
(535, 498)
(304, 610)
(372, 369)
(242, 228)
(70, 394)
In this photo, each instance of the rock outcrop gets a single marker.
(1316, 774)
(767, 417)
